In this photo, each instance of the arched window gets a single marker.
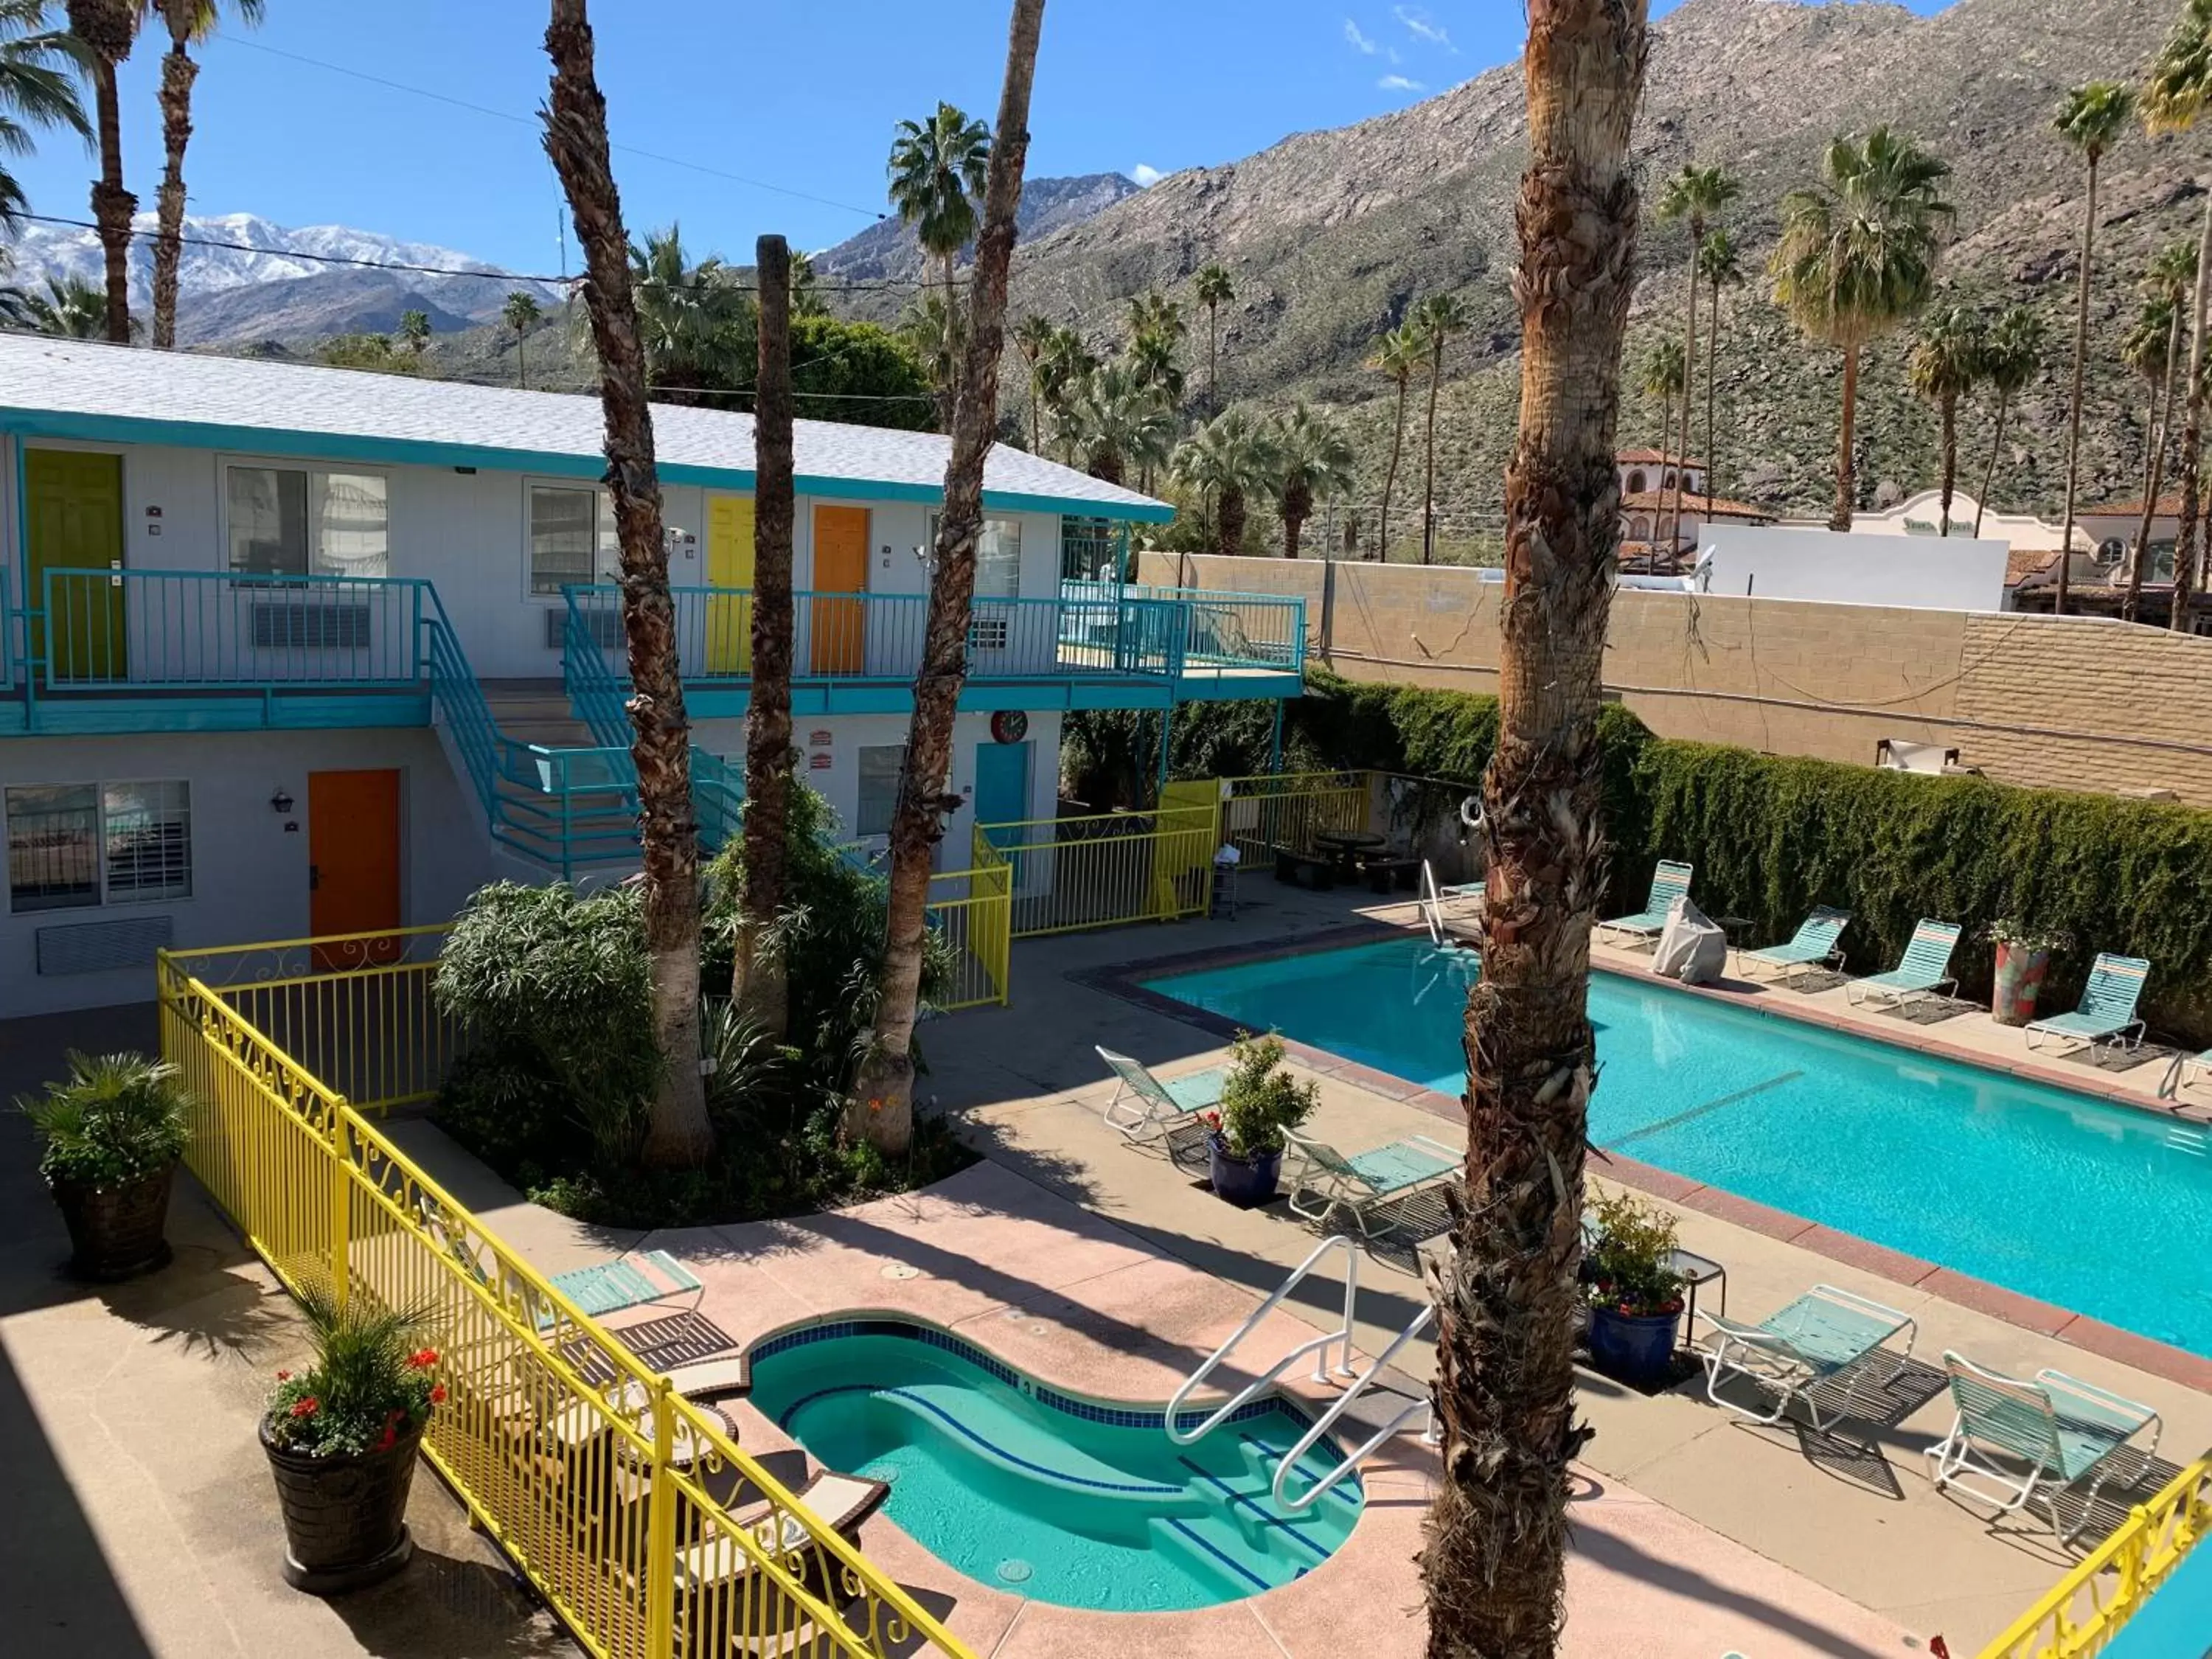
(1636, 482)
(1669, 483)
(1639, 529)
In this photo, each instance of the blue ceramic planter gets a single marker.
(1247, 1182)
(1637, 1349)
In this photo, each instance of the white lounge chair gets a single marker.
(1669, 882)
(1924, 970)
(1325, 1181)
(2106, 1018)
(1824, 1335)
(2012, 1439)
(1813, 945)
(1144, 1108)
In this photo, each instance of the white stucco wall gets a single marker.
(249, 871)
(1923, 573)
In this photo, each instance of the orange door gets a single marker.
(837, 641)
(353, 857)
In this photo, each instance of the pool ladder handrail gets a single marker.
(1353, 1460)
(1318, 1348)
(1432, 908)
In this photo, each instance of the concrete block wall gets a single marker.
(2054, 702)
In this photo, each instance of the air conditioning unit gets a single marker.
(308, 625)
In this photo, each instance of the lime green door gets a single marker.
(73, 513)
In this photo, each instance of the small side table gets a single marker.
(1738, 928)
(1697, 1270)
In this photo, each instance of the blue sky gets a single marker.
(800, 94)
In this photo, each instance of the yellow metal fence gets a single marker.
(1261, 814)
(633, 1512)
(2087, 1606)
(1106, 869)
(969, 909)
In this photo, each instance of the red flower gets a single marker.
(391, 1438)
(437, 1393)
(306, 1407)
(423, 1358)
(283, 1376)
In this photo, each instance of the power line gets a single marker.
(530, 121)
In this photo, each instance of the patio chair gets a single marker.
(2196, 1067)
(2013, 1439)
(1824, 1335)
(603, 1287)
(1157, 1106)
(2106, 1018)
(1669, 882)
(839, 1502)
(1326, 1181)
(1813, 945)
(1924, 970)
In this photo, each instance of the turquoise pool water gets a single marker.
(2101, 1209)
(1040, 1494)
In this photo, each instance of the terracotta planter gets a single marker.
(116, 1232)
(2019, 977)
(1247, 1182)
(345, 1517)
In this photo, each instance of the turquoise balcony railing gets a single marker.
(1219, 631)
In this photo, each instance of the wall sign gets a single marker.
(818, 763)
(1009, 725)
(820, 739)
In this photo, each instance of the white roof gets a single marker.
(101, 393)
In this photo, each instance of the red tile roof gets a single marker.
(2168, 506)
(1653, 458)
(1705, 506)
(2024, 562)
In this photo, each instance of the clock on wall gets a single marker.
(1009, 725)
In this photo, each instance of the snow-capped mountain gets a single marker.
(255, 289)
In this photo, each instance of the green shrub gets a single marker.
(371, 1381)
(114, 1120)
(1259, 1100)
(1629, 1263)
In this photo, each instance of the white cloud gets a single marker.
(1147, 175)
(1422, 27)
(1398, 83)
(1358, 40)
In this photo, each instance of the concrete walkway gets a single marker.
(139, 1519)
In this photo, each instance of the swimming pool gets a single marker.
(1065, 1500)
(2101, 1209)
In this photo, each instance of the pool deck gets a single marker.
(1852, 1513)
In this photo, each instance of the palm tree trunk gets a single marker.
(883, 1105)
(2073, 408)
(1212, 380)
(1847, 493)
(1036, 412)
(1989, 476)
(2162, 435)
(1689, 391)
(105, 27)
(177, 73)
(2192, 434)
(678, 1131)
(758, 984)
(1950, 418)
(1390, 477)
(1291, 526)
(1429, 470)
(1712, 359)
(1229, 526)
(1494, 1563)
(521, 344)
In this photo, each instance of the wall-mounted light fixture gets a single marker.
(280, 803)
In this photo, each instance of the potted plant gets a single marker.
(1635, 1296)
(2023, 957)
(341, 1438)
(113, 1130)
(1259, 1101)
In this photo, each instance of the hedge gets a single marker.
(1773, 835)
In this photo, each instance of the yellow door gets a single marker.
(729, 565)
(73, 511)
(838, 638)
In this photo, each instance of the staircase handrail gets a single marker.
(1319, 1346)
(1352, 1459)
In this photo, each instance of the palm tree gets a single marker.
(1857, 257)
(679, 1133)
(2142, 348)
(928, 325)
(105, 30)
(70, 307)
(1692, 194)
(1398, 355)
(757, 982)
(1116, 421)
(2172, 272)
(937, 174)
(2091, 116)
(2012, 354)
(1437, 318)
(1033, 338)
(1942, 367)
(692, 319)
(1214, 290)
(190, 21)
(1493, 1563)
(414, 329)
(1660, 377)
(38, 65)
(521, 312)
(882, 1108)
(1313, 459)
(1719, 265)
(2174, 96)
(1068, 362)
(1228, 458)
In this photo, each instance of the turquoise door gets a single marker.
(1002, 787)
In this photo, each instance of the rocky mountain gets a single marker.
(887, 249)
(1332, 236)
(253, 289)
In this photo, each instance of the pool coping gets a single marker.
(2146, 1354)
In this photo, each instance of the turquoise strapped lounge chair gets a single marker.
(2013, 1439)
(2106, 1018)
(1325, 1181)
(604, 1287)
(1925, 970)
(1669, 882)
(1157, 1106)
(1813, 945)
(1821, 1337)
